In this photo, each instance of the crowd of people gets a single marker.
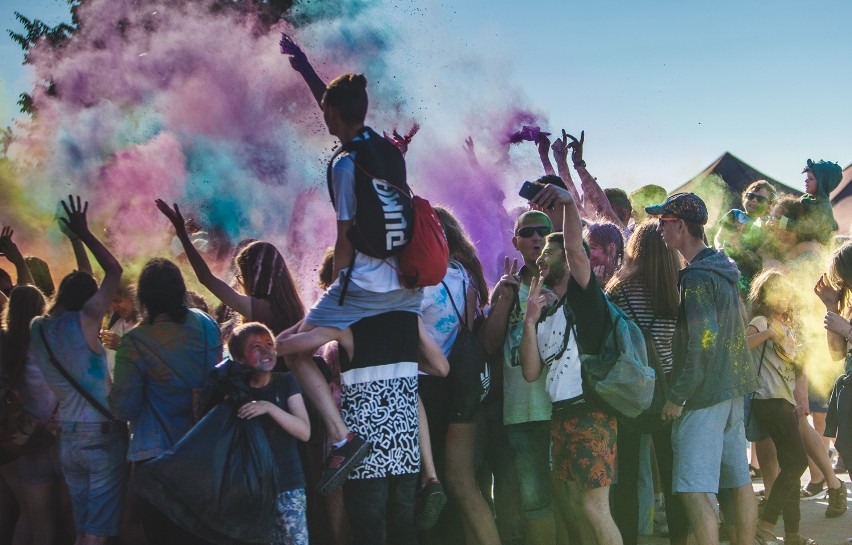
(456, 412)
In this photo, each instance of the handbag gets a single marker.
(469, 378)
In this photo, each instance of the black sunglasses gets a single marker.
(527, 232)
(756, 197)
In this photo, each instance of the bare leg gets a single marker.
(596, 512)
(745, 508)
(314, 386)
(817, 452)
(462, 485)
(701, 517)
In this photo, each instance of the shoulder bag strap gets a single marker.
(462, 320)
(89, 397)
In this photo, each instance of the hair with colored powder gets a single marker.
(529, 216)
(161, 290)
(604, 233)
(25, 303)
(840, 277)
(240, 335)
(463, 251)
(769, 293)
(75, 289)
(348, 94)
(650, 263)
(620, 202)
(264, 275)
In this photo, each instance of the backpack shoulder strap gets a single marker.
(136, 342)
(462, 319)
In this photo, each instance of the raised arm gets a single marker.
(493, 330)
(9, 249)
(239, 302)
(560, 149)
(299, 62)
(578, 262)
(543, 145)
(595, 199)
(98, 304)
(80, 254)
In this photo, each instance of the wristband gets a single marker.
(580, 163)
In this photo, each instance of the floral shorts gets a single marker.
(291, 526)
(584, 449)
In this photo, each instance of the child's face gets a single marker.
(811, 184)
(260, 352)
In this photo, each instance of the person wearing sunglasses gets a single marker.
(736, 233)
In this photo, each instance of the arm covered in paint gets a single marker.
(299, 62)
(432, 360)
(596, 202)
(703, 330)
(239, 302)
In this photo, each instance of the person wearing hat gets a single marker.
(712, 371)
(821, 178)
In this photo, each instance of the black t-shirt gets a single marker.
(591, 312)
(284, 446)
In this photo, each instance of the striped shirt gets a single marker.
(632, 297)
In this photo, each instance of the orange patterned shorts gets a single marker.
(584, 449)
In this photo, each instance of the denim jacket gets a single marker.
(157, 367)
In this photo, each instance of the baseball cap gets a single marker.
(686, 206)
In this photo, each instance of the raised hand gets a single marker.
(536, 302)
(829, 296)
(508, 284)
(560, 148)
(7, 247)
(298, 59)
(76, 216)
(543, 145)
(173, 214)
(577, 149)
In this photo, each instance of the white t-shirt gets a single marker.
(370, 273)
(777, 377)
(439, 317)
(562, 358)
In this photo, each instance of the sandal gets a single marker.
(796, 539)
(813, 489)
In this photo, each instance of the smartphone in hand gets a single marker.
(530, 189)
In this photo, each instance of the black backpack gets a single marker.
(384, 217)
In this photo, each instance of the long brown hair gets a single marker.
(769, 293)
(264, 275)
(462, 250)
(655, 267)
(840, 277)
(25, 303)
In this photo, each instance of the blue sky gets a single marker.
(661, 88)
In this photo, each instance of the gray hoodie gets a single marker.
(712, 362)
